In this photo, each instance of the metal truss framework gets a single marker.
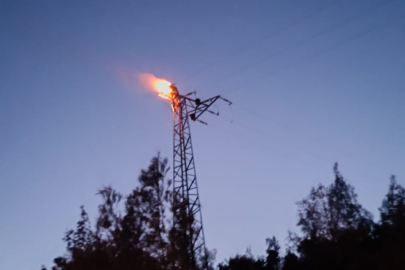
(185, 187)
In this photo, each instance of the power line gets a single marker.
(318, 53)
(267, 37)
(267, 134)
(313, 55)
(322, 158)
(297, 44)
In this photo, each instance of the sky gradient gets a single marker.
(312, 83)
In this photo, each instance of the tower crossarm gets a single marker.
(195, 107)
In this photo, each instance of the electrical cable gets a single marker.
(316, 54)
(267, 37)
(316, 35)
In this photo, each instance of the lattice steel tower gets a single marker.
(187, 206)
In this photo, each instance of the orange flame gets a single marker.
(161, 86)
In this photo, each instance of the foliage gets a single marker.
(137, 232)
(338, 233)
(135, 238)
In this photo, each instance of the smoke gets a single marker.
(147, 80)
(128, 77)
(139, 82)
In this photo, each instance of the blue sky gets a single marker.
(312, 82)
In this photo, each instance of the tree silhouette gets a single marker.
(335, 227)
(273, 256)
(338, 233)
(243, 262)
(329, 211)
(390, 232)
(136, 239)
(291, 262)
(137, 232)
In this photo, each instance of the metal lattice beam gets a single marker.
(187, 205)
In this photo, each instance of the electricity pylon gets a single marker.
(187, 214)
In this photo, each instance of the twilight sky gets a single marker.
(312, 82)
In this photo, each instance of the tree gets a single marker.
(335, 226)
(243, 262)
(180, 237)
(149, 203)
(390, 232)
(136, 239)
(135, 232)
(249, 262)
(108, 221)
(273, 256)
(328, 211)
(291, 262)
(393, 206)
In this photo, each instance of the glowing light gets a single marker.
(164, 96)
(161, 86)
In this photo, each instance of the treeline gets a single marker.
(337, 233)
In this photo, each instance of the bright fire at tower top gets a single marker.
(164, 88)
(187, 215)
